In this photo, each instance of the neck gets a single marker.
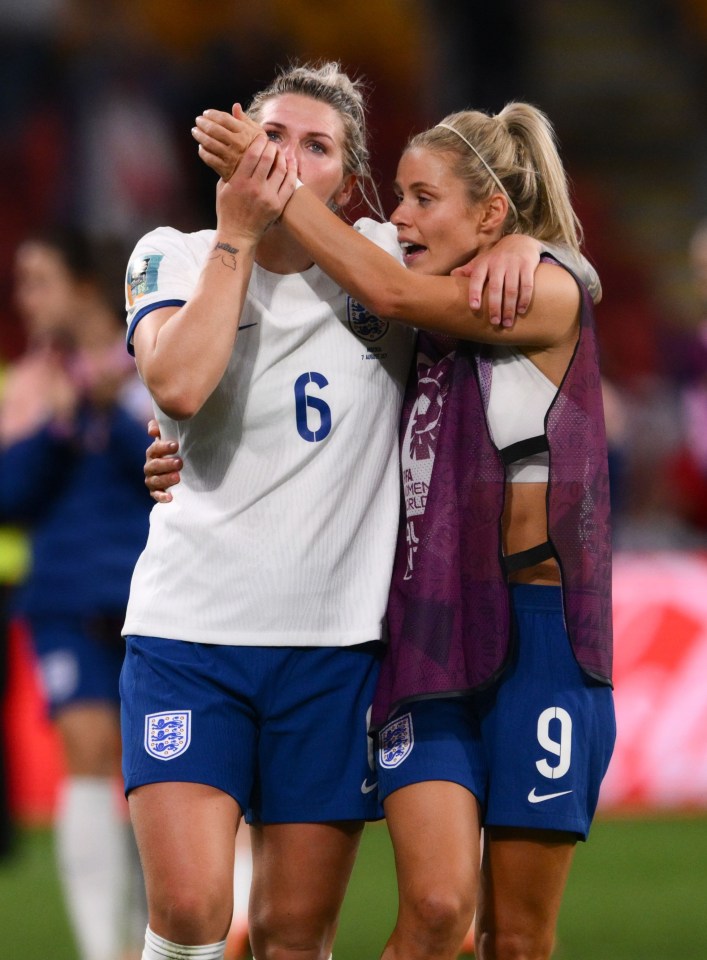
(279, 252)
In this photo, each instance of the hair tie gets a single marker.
(491, 173)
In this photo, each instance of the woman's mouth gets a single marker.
(411, 251)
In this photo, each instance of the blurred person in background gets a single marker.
(72, 423)
(494, 702)
(13, 566)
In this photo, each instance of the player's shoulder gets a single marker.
(164, 265)
(166, 240)
(167, 252)
(384, 235)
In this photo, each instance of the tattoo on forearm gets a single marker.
(228, 257)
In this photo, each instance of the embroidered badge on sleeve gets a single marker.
(142, 276)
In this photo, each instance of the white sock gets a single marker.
(91, 852)
(157, 948)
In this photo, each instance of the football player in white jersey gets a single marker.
(254, 623)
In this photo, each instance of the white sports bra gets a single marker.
(520, 397)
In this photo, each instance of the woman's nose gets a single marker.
(398, 216)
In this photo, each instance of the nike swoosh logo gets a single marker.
(367, 787)
(244, 326)
(533, 797)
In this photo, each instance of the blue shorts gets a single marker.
(79, 658)
(533, 748)
(283, 730)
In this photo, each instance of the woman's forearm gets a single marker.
(436, 303)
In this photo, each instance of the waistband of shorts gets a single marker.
(536, 596)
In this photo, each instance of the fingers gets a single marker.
(221, 167)
(289, 184)
(266, 164)
(161, 473)
(216, 125)
(495, 297)
(477, 273)
(160, 448)
(509, 288)
(242, 118)
(212, 144)
(509, 304)
(160, 496)
(527, 284)
(223, 138)
(229, 130)
(153, 429)
(259, 156)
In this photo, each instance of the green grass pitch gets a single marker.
(638, 891)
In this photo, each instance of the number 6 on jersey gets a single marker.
(304, 402)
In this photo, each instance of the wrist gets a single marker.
(233, 242)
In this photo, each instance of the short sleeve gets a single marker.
(162, 271)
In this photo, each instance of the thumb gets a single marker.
(238, 112)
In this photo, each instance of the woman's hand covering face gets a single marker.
(223, 138)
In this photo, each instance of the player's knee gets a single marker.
(442, 914)
(290, 933)
(190, 915)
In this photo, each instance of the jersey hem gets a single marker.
(575, 825)
(253, 639)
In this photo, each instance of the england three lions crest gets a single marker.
(396, 741)
(365, 325)
(167, 735)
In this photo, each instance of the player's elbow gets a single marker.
(178, 397)
(178, 405)
(177, 401)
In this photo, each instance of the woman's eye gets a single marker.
(273, 135)
(317, 147)
(423, 201)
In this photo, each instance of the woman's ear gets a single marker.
(343, 195)
(495, 213)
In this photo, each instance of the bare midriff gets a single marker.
(524, 527)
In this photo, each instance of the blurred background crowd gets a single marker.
(97, 100)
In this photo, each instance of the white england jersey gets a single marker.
(282, 530)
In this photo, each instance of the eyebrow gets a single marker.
(418, 185)
(310, 133)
